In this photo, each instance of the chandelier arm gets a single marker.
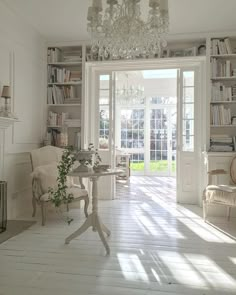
(119, 32)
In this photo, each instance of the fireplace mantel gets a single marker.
(6, 122)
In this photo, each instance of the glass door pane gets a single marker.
(173, 143)
(158, 140)
(132, 137)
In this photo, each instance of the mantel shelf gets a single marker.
(6, 122)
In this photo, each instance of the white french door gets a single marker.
(188, 136)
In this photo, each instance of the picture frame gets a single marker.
(176, 53)
(190, 51)
(165, 52)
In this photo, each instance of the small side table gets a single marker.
(93, 219)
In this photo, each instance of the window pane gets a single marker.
(188, 78)
(104, 111)
(188, 127)
(188, 143)
(188, 111)
(104, 128)
(188, 94)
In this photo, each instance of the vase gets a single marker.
(84, 157)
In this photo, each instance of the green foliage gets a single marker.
(97, 158)
(59, 195)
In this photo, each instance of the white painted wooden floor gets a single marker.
(157, 248)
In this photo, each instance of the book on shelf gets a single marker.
(220, 115)
(53, 55)
(62, 94)
(62, 75)
(72, 122)
(221, 46)
(57, 119)
(221, 92)
(221, 68)
(221, 143)
(72, 56)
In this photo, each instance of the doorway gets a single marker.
(146, 120)
(170, 123)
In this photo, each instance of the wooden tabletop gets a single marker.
(92, 173)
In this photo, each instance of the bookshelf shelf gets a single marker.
(65, 99)
(63, 63)
(60, 126)
(232, 78)
(224, 56)
(65, 83)
(65, 105)
(223, 126)
(223, 102)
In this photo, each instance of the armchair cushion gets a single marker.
(46, 175)
(220, 196)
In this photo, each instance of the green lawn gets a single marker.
(158, 166)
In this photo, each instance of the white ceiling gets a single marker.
(65, 20)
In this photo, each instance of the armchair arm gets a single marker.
(36, 189)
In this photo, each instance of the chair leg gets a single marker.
(34, 206)
(43, 211)
(228, 212)
(86, 204)
(205, 209)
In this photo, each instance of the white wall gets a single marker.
(23, 67)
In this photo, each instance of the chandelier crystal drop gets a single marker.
(119, 32)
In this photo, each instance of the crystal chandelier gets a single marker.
(121, 33)
(128, 90)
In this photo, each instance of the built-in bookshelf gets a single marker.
(64, 95)
(223, 94)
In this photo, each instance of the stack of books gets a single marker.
(57, 119)
(221, 92)
(54, 55)
(221, 46)
(72, 122)
(221, 143)
(221, 68)
(220, 115)
(75, 76)
(58, 75)
(60, 95)
(72, 56)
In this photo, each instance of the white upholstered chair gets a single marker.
(44, 165)
(221, 194)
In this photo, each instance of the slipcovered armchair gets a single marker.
(44, 165)
(221, 194)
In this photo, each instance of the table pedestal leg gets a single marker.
(82, 229)
(94, 221)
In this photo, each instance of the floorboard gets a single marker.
(158, 247)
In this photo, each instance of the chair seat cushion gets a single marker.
(220, 194)
(76, 191)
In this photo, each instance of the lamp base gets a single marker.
(6, 111)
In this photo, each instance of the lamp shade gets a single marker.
(6, 91)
